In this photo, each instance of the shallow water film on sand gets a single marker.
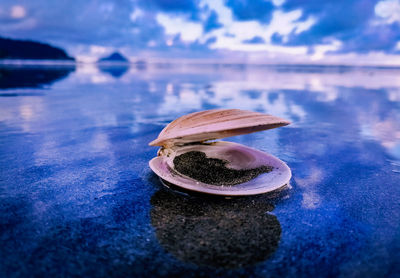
(77, 196)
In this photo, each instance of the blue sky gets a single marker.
(329, 31)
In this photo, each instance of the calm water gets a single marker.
(77, 196)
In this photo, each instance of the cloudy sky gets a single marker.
(315, 31)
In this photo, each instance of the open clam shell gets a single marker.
(239, 157)
(188, 133)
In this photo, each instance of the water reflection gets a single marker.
(80, 151)
(116, 71)
(31, 77)
(215, 232)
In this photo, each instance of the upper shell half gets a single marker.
(215, 124)
(201, 126)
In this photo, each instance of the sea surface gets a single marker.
(77, 197)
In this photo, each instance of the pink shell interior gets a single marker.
(278, 177)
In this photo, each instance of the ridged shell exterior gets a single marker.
(215, 124)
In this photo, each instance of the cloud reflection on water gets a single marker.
(367, 96)
(84, 142)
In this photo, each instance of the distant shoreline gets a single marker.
(193, 63)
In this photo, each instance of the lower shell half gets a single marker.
(238, 157)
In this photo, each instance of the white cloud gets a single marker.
(99, 50)
(234, 44)
(285, 23)
(224, 13)
(278, 2)
(304, 25)
(136, 14)
(282, 22)
(320, 50)
(173, 25)
(87, 59)
(246, 30)
(18, 11)
(388, 10)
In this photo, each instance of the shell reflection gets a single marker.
(213, 231)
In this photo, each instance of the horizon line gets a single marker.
(189, 62)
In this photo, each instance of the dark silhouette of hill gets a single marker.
(31, 77)
(115, 64)
(114, 57)
(23, 49)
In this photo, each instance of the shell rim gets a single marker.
(214, 191)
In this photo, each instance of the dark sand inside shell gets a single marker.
(198, 166)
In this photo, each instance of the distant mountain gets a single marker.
(22, 49)
(115, 57)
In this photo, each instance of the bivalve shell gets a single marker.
(188, 135)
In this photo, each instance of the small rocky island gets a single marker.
(114, 57)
